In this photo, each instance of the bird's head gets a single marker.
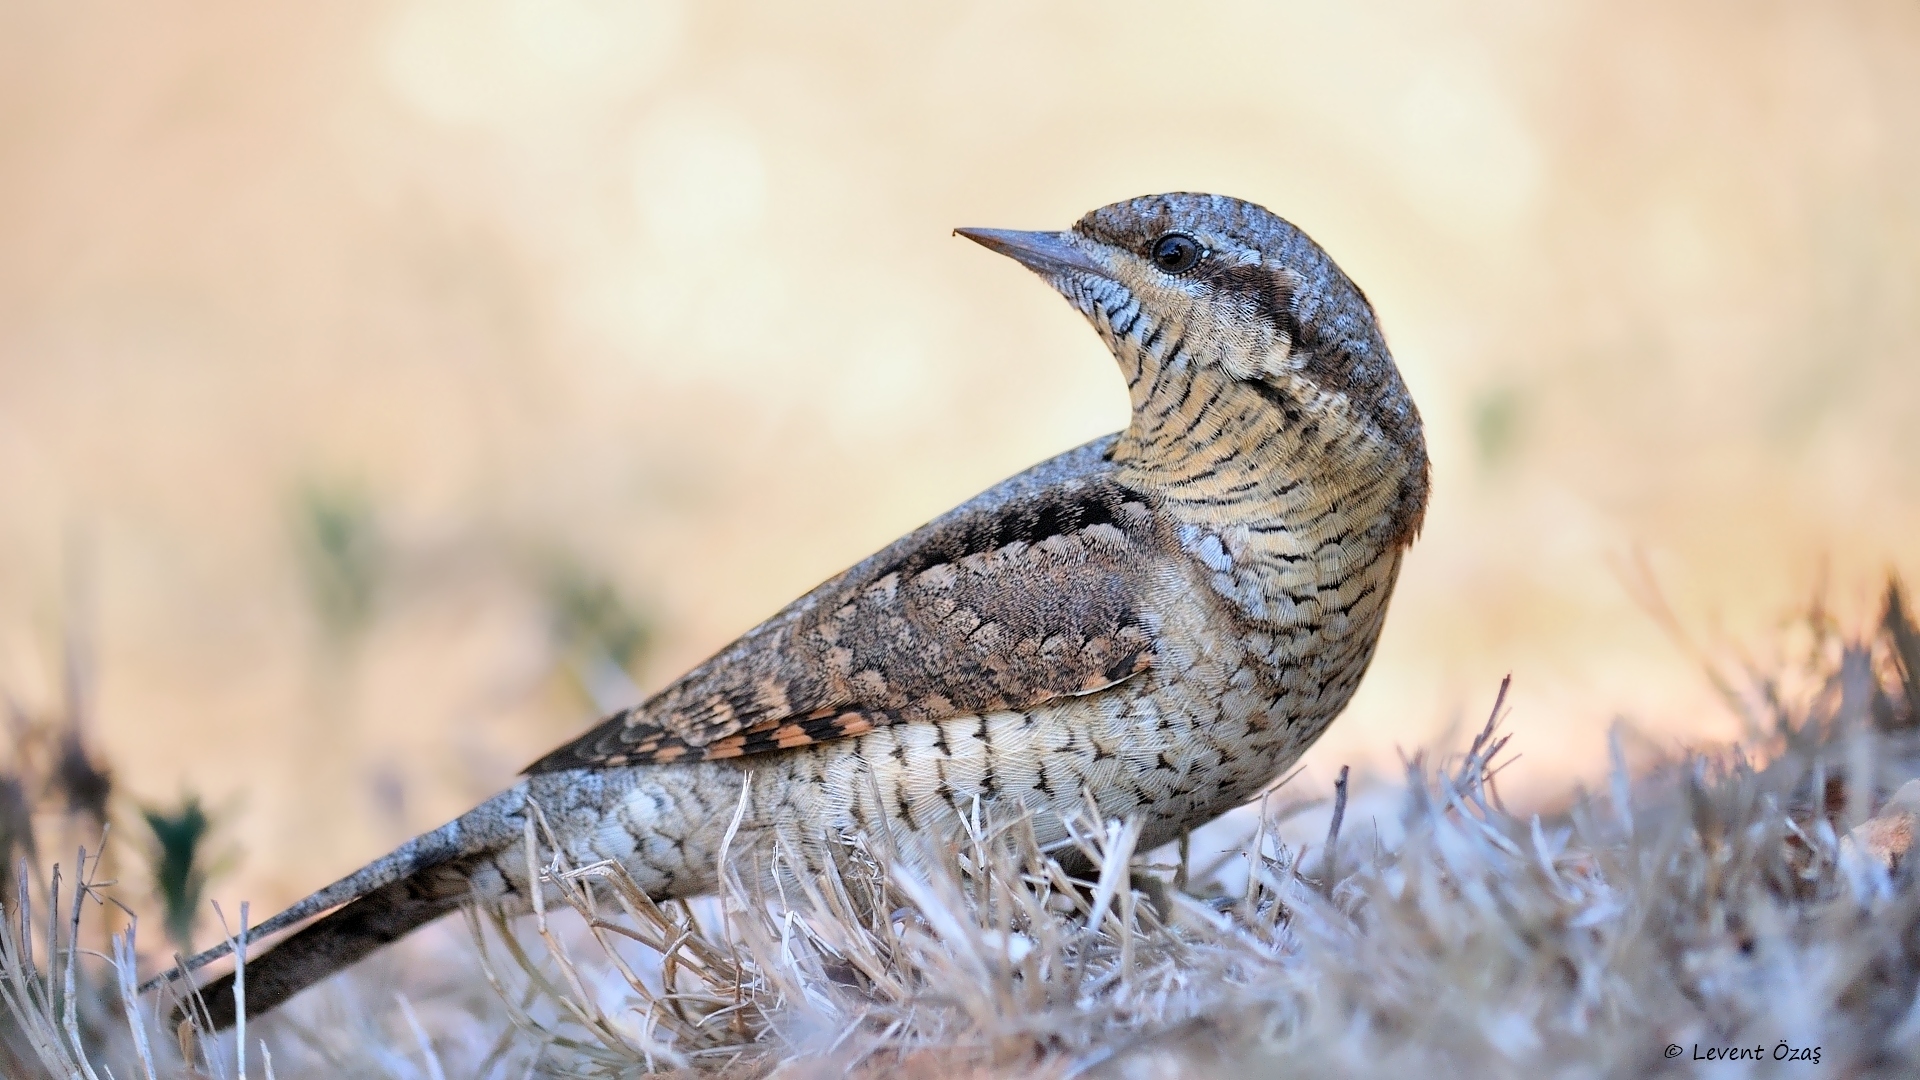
(1212, 295)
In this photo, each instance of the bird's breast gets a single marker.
(1263, 640)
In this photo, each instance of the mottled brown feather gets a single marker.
(1017, 598)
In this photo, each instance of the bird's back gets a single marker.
(1037, 588)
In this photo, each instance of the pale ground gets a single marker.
(668, 290)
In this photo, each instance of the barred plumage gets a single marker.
(1163, 619)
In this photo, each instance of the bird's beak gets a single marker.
(1049, 254)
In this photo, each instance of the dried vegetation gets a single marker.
(1753, 898)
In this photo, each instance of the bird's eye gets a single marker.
(1176, 253)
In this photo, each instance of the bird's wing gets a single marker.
(1034, 590)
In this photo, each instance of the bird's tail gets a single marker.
(418, 882)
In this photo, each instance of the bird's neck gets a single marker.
(1274, 471)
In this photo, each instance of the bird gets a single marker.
(1158, 622)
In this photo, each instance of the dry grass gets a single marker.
(1715, 901)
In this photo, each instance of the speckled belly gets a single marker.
(1175, 746)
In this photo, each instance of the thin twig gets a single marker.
(1330, 861)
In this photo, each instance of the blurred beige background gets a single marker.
(644, 317)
